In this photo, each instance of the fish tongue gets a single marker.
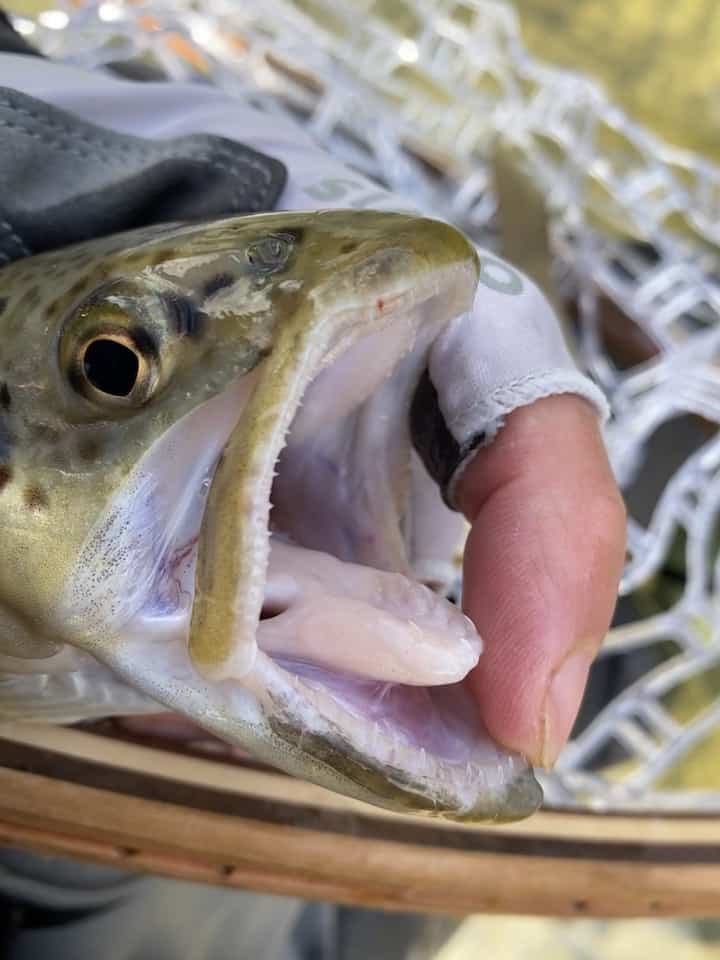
(358, 620)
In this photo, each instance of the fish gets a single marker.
(206, 474)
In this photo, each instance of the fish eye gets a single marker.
(111, 366)
(269, 253)
(114, 368)
(115, 347)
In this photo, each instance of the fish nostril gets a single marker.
(111, 367)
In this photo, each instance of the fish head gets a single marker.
(205, 472)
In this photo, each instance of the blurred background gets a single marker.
(656, 59)
(579, 138)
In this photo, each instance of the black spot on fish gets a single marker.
(6, 438)
(186, 319)
(297, 233)
(31, 298)
(35, 498)
(349, 246)
(144, 341)
(167, 253)
(134, 261)
(76, 378)
(5, 398)
(77, 289)
(44, 433)
(5, 475)
(88, 449)
(219, 282)
(3, 304)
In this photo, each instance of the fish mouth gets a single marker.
(281, 610)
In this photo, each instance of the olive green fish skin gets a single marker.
(188, 313)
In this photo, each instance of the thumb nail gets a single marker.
(561, 704)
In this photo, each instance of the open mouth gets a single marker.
(278, 605)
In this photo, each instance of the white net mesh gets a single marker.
(417, 96)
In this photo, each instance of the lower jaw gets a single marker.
(413, 748)
(439, 722)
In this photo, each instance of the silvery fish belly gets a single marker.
(206, 476)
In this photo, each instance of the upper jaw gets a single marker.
(309, 349)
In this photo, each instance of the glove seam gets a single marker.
(568, 384)
(532, 378)
(549, 379)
